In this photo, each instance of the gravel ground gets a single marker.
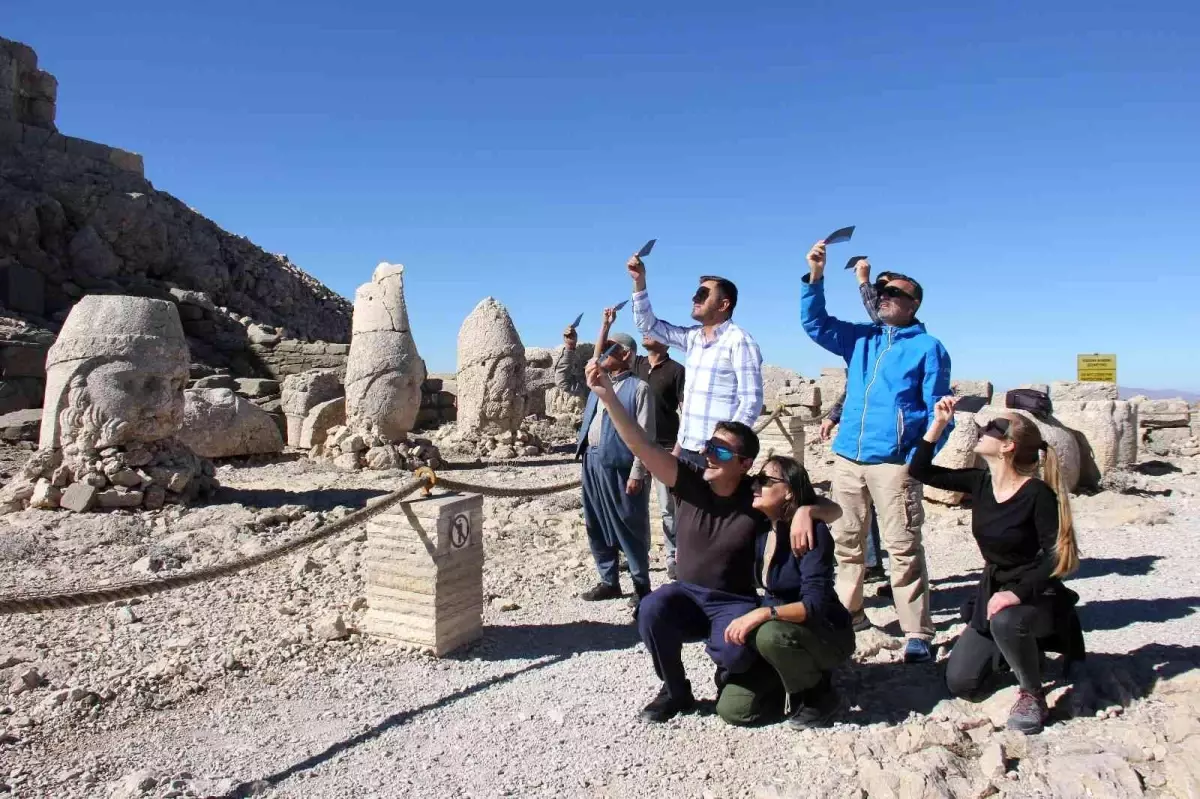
(228, 689)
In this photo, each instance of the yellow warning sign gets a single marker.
(1096, 368)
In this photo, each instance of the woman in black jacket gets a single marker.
(800, 629)
(1025, 533)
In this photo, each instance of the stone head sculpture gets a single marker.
(491, 371)
(115, 375)
(384, 372)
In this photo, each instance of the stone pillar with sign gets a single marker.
(425, 573)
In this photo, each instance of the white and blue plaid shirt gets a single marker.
(724, 376)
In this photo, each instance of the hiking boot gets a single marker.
(860, 623)
(1029, 713)
(665, 707)
(601, 591)
(639, 593)
(917, 650)
(720, 678)
(874, 574)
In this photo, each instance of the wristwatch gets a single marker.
(774, 613)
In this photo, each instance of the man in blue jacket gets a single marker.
(896, 373)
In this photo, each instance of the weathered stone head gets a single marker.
(491, 371)
(116, 374)
(384, 372)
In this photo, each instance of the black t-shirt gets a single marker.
(1016, 537)
(666, 383)
(715, 536)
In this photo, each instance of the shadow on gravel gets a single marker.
(1136, 566)
(256, 787)
(1113, 614)
(524, 641)
(1157, 468)
(888, 692)
(317, 499)
(971, 577)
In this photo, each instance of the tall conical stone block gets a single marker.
(384, 371)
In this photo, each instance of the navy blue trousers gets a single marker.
(616, 522)
(679, 613)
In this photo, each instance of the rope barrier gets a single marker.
(33, 602)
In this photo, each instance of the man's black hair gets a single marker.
(747, 438)
(727, 289)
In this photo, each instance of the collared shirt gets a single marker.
(724, 376)
(666, 381)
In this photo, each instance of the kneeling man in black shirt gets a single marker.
(715, 527)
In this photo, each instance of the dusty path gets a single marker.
(249, 701)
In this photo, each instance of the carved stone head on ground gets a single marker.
(116, 374)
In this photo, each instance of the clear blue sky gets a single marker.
(1035, 165)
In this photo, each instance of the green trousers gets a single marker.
(793, 658)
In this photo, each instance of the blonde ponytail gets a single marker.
(1066, 548)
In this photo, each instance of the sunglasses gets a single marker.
(762, 479)
(720, 451)
(612, 351)
(701, 295)
(996, 428)
(895, 293)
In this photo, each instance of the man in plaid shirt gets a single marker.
(724, 366)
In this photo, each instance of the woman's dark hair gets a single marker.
(796, 475)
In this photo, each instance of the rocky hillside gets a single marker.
(78, 217)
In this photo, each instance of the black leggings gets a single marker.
(1011, 635)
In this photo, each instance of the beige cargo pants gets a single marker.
(897, 500)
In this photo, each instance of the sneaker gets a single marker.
(1029, 713)
(814, 708)
(671, 570)
(601, 591)
(860, 623)
(665, 707)
(917, 650)
(874, 574)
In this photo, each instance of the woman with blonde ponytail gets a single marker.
(1025, 532)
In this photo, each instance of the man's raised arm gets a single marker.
(830, 333)
(657, 460)
(643, 313)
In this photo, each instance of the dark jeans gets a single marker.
(679, 613)
(1012, 635)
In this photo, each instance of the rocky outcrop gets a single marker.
(217, 423)
(79, 218)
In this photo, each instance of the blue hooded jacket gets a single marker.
(894, 377)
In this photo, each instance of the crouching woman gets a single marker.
(801, 630)
(1023, 527)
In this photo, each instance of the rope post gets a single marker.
(425, 573)
(784, 435)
